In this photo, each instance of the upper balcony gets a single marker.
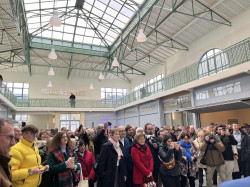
(228, 58)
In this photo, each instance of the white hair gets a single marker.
(139, 129)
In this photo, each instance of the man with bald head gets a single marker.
(122, 134)
(7, 140)
(18, 134)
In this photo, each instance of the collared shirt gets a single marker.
(237, 137)
(122, 141)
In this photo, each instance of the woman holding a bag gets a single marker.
(170, 156)
(142, 160)
(63, 163)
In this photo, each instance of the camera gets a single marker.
(152, 140)
(109, 123)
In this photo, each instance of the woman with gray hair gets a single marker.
(111, 168)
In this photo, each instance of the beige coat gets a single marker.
(200, 154)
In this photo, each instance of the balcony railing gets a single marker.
(234, 55)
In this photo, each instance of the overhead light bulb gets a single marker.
(101, 76)
(91, 86)
(115, 63)
(141, 36)
(49, 85)
(52, 54)
(55, 20)
(51, 72)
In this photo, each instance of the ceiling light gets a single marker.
(52, 54)
(55, 20)
(91, 86)
(51, 72)
(115, 63)
(101, 76)
(141, 36)
(49, 85)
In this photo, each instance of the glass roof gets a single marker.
(99, 22)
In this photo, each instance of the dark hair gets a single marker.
(158, 133)
(212, 123)
(183, 136)
(56, 142)
(30, 128)
(40, 134)
(166, 137)
(2, 122)
(81, 143)
(128, 127)
(146, 125)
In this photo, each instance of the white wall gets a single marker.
(222, 37)
(39, 82)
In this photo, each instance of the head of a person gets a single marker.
(140, 130)
(149, 129)
(17, 132)
(99, 128)
(42, 136)
(134, 130)
(191, 129)
(64, 129)
(7, 137)
(129, 130)
(161, 134)
(200, 133)
(236, 127)
(114, 134)
(69, 133)
(185, 138)
(140, 138)
(219, 129)
(167, 128)
(122, 132)
(90, 133)
(167, 140)
(212, 125)
(30, 132)
(81, 147)
(61, 139)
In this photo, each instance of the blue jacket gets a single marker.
(127, 153)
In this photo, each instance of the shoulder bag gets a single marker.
(168, 165)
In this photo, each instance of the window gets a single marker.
(70, 121)
(213, 61)
(112, 94)
(155, 84)
(21, 117)
(137, 92)
(20, 90)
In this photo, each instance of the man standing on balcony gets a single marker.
(72, 100)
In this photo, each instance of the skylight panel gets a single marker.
(78, 39)
(31, 1)
(87, 40)
(111, 12)
(96, 11)
(119, 24)
(68, 37)
(100, 6)
(127, 12)
(116, 6)
(89, 1)
(31, 6)
(46, 34)
(89, 32)
(47, 4)
(58, 29)
(70, 20)
(57, 35)
(70, 2)
(80, 31)
(122, 18)
(87, 6)
(81, 22)
(69, 29)
(108, 18)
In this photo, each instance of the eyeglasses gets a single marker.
(64, 136)
(9, 137)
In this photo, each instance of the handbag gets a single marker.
(82, 183)
(203, 158)
(168, 165)
(149, 183)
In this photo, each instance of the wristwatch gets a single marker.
(30, 171)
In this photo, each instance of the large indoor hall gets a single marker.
(124, 93)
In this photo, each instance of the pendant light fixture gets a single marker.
(52, 54)
(101, 76)
(55, 20)
(49, 85)
(141, 36)
(51, 72)
(91, 86)
(115, 63)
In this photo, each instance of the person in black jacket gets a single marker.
(100, 138)
(168, 149)
(112, 171)
(243, 150)
(228, 141)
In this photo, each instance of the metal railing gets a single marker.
(5, 91)
(234, 55)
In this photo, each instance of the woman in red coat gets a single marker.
(87, 160)
(142, 160)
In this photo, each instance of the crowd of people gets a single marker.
(124, 155)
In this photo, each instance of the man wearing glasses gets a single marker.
(26, 161)
(7, 140)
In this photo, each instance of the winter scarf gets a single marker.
(117, 148)
(187, 151)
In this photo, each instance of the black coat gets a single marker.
(166, 154)
(228, 141)
(107, 163)
(99, 140)
(245, 147)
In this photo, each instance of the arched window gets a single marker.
(213, 61)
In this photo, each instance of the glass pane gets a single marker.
(18, 85)
(108, 89)
(26, 85)
(9, 84)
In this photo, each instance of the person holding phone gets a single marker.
(63, 162)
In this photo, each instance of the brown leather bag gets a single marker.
(168, 165)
